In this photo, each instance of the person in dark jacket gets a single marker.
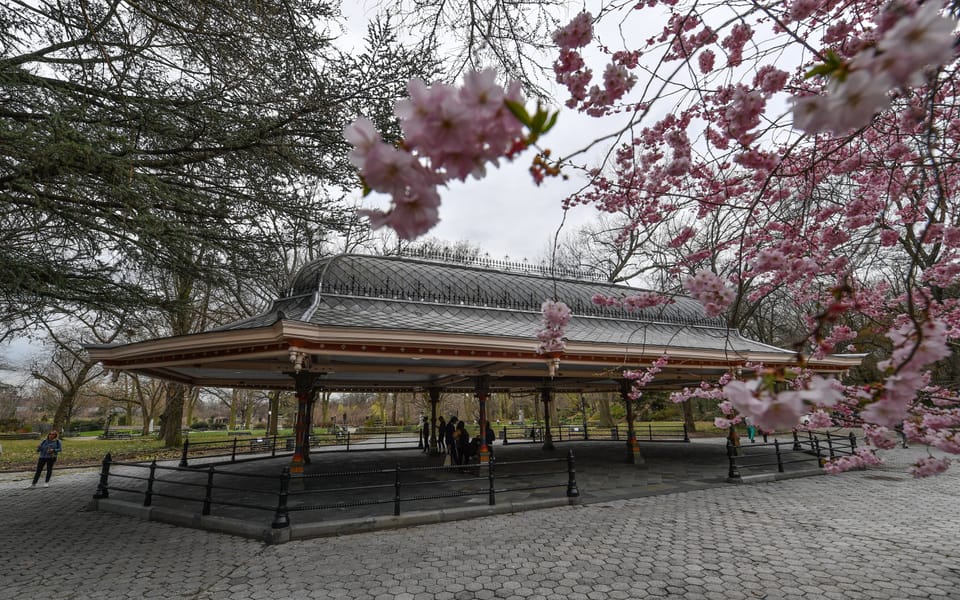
(491, 435)
(48, 449)
(441, 435)
(425, 433)
(448, 435)
(462, 441)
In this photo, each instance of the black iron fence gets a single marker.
(237, 448)
(651, 432)
(804, 449)
(234, 448)
(285, 493)
(240, 448)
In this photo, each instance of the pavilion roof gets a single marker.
(374, 322)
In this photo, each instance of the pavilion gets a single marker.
(355, 322)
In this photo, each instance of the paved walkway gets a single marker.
(876, 534)
(523, 481)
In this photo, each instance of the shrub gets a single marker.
(11, 424)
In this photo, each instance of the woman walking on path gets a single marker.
(49, 449)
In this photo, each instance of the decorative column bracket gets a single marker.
(300, 359)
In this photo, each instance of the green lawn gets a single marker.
(22, 454)
(87, 450)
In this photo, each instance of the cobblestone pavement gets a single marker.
(876, 534)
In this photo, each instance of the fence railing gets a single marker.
(246, 448)
(242, 448)
(651, 432)
(161, 481)
(810, 448)
(828, 445)
(285, 493)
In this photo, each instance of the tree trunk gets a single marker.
(603, 407)
(191, 399)
(172, 418)
(688, 416)
(64, 410)
(325, 409)
(274, 416)
(234, 400)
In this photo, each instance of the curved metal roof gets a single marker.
(432, 283)
(402, 323)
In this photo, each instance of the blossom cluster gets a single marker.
(925, 467)
(643, 378)
(705, 390)
(554, 319)
(878, 436)
(571, 70)
(860, 459)
(915, 346)
(818, 419)
(634, 302)
(711, 291)
(862, 87)
(449, 133)
(771, 410)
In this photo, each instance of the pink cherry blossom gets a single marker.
(413, 213)
(819, 419)
(576, 34)
(854, 102)
(642, 378)
(363, 136)
(769, 411)
(449, 133)
(879, 437)
(927, 38)
(925, 467)
(912, 43)
(554, 319)
(706, 60)
(812, 113)
(861, 458)
(711, 291)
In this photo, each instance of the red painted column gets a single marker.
(633, 447)
(546, 395)
(434, 401)
(306, 392)
(482, 386)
